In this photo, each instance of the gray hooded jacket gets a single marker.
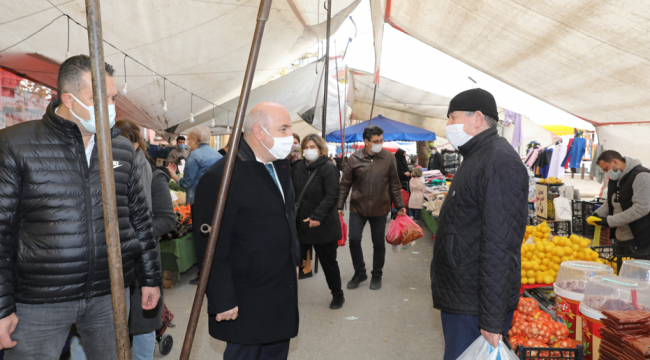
(639, 209)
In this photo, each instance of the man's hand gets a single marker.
(491, 338)
(228, 315)
(402, 211)
(150, 297)
(407, 173)
(602, 223)
(7, 327)
(298, 272)
(340, 212)
(312, 223)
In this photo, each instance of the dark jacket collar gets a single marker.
(316, 164)
(244, 151)
(66, 128)
(477, 142)
(362, 153)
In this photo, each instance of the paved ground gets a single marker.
(588, 188)
(396, 322)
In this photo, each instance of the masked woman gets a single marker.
(317, 219)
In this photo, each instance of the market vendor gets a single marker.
(628, 203)
(476, 266)
(181, 151)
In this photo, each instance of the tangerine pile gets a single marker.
(541, 259)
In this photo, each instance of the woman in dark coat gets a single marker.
(402, 168)
(317, 219)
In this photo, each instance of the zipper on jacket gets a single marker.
(89, 212)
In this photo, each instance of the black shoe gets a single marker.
(302, 275)
(356, 279)
(195, 281)
(337, 302)
(375, 283)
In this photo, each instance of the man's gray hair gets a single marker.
(255, 117)
(491, 122)
(200, 134)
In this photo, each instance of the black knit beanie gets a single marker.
(475, 100)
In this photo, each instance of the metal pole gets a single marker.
(338, 96)
(372, 108)
(105, 155)
(262, 17)
(327, 67)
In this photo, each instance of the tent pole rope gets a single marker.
(372, 108)
(262, 18)
(327, 69)
(107, 179)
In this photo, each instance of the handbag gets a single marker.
(296, 206)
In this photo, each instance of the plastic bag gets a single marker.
(344, 231)
(482, 350)
(401, 248)
(403, 230)
(563, 211)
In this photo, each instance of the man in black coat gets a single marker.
(476, 266)
(252, 292)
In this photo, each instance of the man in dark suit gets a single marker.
(252, 292)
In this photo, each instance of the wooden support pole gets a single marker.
(262, 18)
(105, 155)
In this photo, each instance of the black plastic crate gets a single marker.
(576, 208)
(605, 252)
(588, 207)
(560, 228)
(588, 231)
(526, 353)
(577, 226)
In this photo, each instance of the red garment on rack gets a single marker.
(568, 157)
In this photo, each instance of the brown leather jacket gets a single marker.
(374, 183)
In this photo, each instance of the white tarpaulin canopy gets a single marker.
(202, 46)
(589, 58)
(421, 108)
(296, 91)
(629, 140)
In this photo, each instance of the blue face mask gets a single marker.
(89, 124)
(181, 146)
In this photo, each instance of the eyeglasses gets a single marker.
(378, 142)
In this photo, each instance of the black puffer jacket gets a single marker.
(476, 267)
(319, 201)
(52, 239)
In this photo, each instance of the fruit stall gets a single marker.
(177, 251)
(568, 287)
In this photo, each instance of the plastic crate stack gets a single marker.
(581, 210)
(559, 228)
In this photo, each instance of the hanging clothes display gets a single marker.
(565, 162)
(556, 169)
(575, 153)
(594, 170)
(532, 158)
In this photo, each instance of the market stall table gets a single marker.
(177, 256)
(430, 220)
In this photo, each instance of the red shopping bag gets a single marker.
(403, 230)
(344, 231)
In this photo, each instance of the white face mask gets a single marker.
(376, 148)
(614, 175)
(89, 125)
(310, 154)
(281, 146)
(457, 136)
